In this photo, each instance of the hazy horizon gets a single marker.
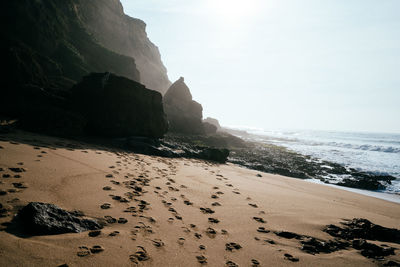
(328, 65)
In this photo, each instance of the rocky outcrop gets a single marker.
(359, 228)
(115, 106)
(209, 128)
(106, 21)
(213, 121)
(184, 114)
(172, 149)
(47, 219)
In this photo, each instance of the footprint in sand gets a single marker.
(122, 221)
(107, 188)
(206, 210)
(140, 255)
(105, 206)
(260, 220)
(232, 246)
(231, 264)
(262, 230)
(201, 259)
(253, 205)
(114, 233)
(158, 243)
(211, 232)
(94, 233)
(197, 235)
(290, 258)
(215, 204)
(83, 251)
(20, 185)
(181, 241)
(187, 202)
(255, 263)
(213, 220)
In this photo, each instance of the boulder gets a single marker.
(364, 229)
(115, 106)
(213, 121)
(47, 219)
(214, 154)
(209, 128)
(184, 114)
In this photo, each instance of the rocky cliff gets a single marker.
(46, 44)
(54, 43)
(106, 21)
(184, 114)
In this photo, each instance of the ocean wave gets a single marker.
(386, 149)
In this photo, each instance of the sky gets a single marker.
(283, 64)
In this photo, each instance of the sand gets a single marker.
(172, 227)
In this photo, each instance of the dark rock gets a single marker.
(214, 154)
(48, 219)
(209, 128)
(313, 246)
(184, 114)
(362, 228)
(288, 235)
(366, 182)
(370, 250)
(214, 122)
(116, 106)
(392, 263)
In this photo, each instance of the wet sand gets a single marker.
(171, 212)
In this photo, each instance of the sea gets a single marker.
(370, 152)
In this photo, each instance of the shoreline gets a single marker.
(391, 197)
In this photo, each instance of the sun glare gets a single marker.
(233, 10)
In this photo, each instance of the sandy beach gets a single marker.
(186, 213)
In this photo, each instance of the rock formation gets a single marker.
(184, 114)
(47, 44)
(38, 218)
(213, 121)
(106, 21)
(116, 106)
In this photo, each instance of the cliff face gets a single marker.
(106, 21)
(45, 41)
(49, 45)
(63, 40)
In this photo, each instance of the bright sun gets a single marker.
(233, 10)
